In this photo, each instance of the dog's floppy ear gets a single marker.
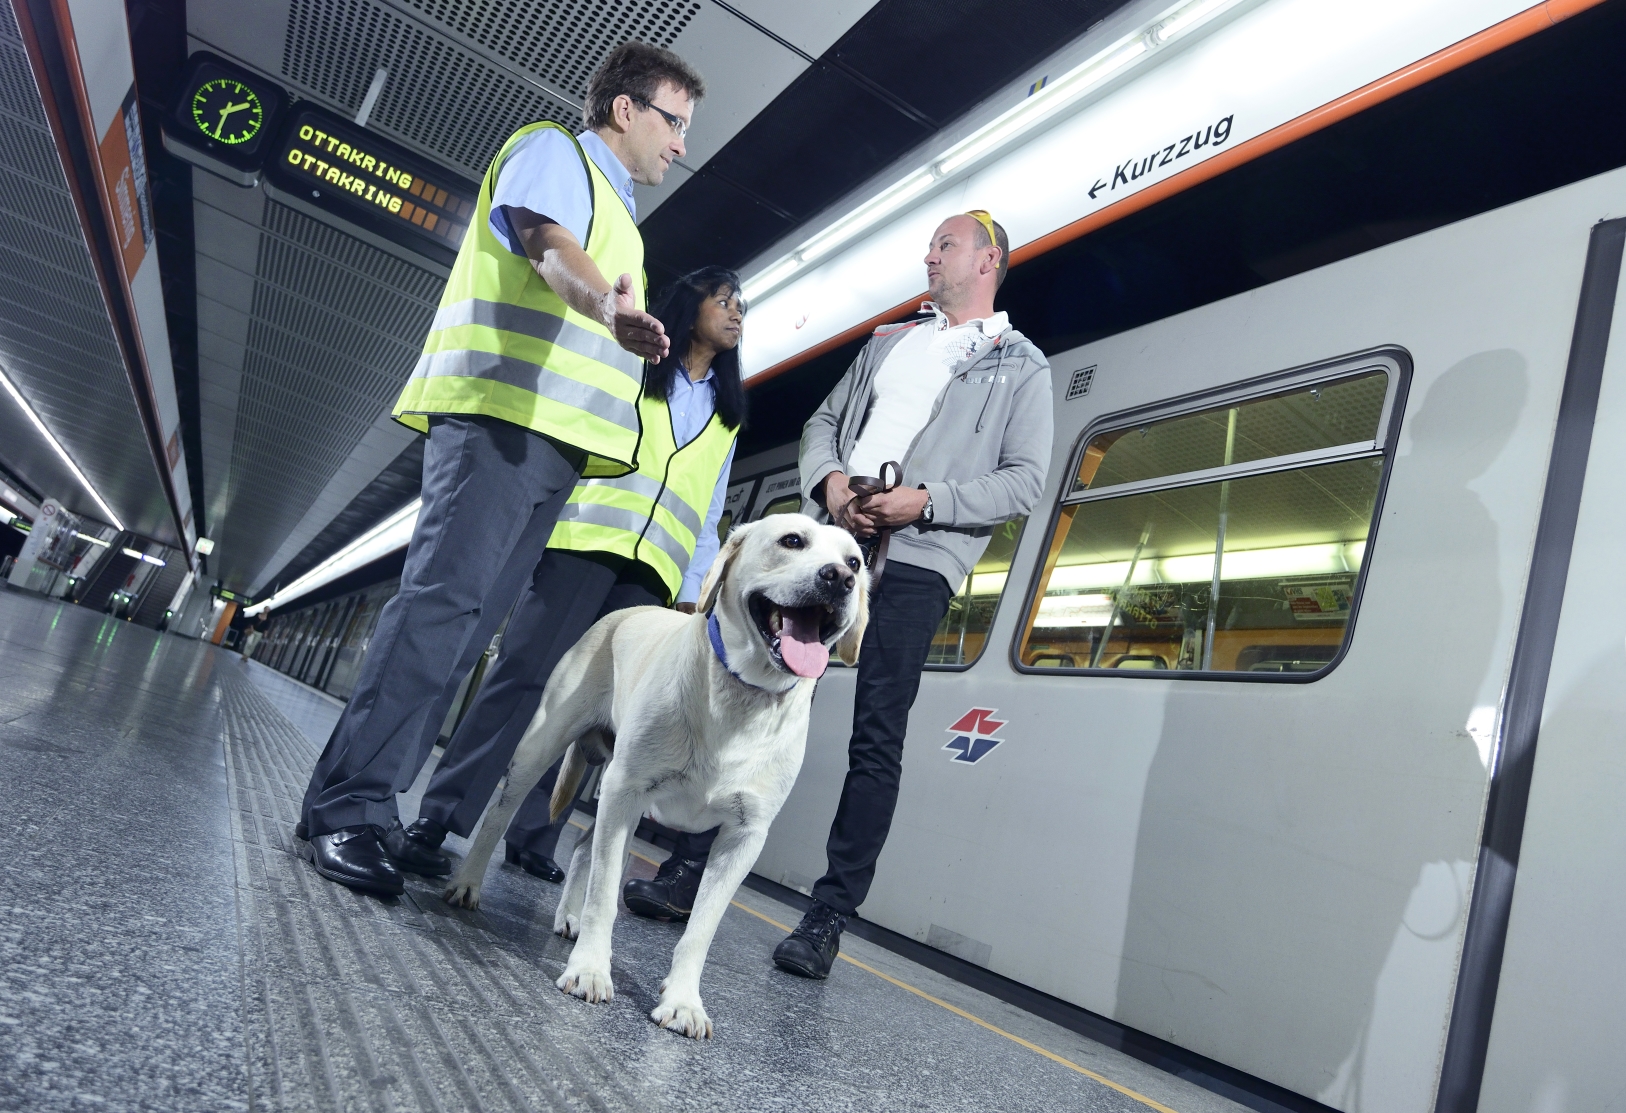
(847, 647)
(712, 586)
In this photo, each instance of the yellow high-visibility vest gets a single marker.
(655, 513)
(505, 345)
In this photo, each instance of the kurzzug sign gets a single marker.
(1138, 166)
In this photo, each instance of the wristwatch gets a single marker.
(926, 511)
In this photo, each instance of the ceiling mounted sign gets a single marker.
(348, 172)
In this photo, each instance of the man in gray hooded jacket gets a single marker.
(962, 403)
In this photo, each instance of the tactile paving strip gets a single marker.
(356, 1003)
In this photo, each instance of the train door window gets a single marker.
(1219, 538)
(963, 632)
(735, 503)
(776, 492)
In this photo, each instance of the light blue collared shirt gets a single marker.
(692, 404)
(544, 174)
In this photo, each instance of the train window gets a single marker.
(964, 630)
(1224, 540)
(1306, 418)
(791, 504)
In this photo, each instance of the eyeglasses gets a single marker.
(678, 126)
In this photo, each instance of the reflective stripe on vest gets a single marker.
(505, 345)
(655, 514)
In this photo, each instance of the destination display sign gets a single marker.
(371, 182)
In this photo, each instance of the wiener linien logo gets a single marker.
(974, 735)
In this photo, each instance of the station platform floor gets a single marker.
(163, 947)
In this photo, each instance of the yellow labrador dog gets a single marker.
(703, 720)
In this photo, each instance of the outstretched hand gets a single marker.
(636, 331)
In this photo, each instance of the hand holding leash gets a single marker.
(865, 487)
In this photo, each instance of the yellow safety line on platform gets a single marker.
(957, 1011)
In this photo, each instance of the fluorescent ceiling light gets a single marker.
(392, 533)
(1184, 19)
(60, 451)
(999, 133)
(92, 540)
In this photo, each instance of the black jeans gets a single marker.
(567, 594)
(905, 609)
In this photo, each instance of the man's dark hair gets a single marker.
(677, 307)
(638, 70)
(1001, 241)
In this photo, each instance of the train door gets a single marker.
(1215, 764)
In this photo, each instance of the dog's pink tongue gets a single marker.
(799, 643)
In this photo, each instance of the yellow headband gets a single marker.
(986, 219)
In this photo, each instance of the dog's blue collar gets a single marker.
(715, 633)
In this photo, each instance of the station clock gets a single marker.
(223, 118)
(228, 111)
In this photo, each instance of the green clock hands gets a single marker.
(227, 111)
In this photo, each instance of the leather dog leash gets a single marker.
(864, 485)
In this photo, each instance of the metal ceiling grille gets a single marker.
(55, 337)
(335, 330)
(450, 101)
(561, 41)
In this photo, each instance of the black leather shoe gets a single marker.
(669, 895)
(355, 857)
(811, 949)
(416, 848)
(537, 865)
(301, 832)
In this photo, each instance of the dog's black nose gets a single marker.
(837, 575)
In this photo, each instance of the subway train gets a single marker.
(1223, 741)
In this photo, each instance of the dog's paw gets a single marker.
(592, 986)
(568, 926)
(462, 894)
(682, 1014)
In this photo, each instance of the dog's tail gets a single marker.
(594, 747)
(570, 779)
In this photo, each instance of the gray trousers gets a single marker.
(492, 492)
(567, 594)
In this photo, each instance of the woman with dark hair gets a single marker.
(644, 539)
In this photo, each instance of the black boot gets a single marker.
(669, 895)
(537, 865)
(416, 849)
(811, 949)
(354, 856)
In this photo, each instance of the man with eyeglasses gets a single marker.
(530, 381)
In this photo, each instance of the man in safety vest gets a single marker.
(530, 379)
(636, 541)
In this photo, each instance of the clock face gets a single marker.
(227, 111)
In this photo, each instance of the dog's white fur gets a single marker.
(693, 746)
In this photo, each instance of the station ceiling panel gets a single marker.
(57, 344)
